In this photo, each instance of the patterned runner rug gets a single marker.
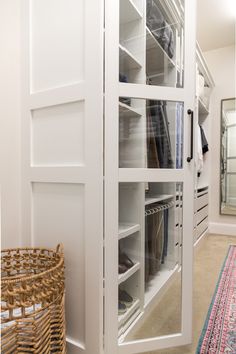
(219, 331)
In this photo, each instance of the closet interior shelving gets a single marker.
(143, 60)
(203, 92)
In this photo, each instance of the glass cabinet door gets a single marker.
(151, 42)
(149, 174)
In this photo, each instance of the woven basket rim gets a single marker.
(14, 279)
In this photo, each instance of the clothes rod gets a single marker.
(159, 208)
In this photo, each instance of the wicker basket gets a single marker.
(32, 301)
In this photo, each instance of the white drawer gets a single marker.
(202, 227)
(201, 201)
(202, 214)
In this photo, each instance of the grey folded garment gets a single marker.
(160, 28)
(167, 40)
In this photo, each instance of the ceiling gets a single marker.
(216, 23)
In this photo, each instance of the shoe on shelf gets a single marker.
(125, 298)
(124, 259)
(121, 308)
(122, 268)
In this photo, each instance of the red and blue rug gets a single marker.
(219, 331)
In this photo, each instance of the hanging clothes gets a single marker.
(166, 235)
(199, 159)
(156, 242)
(152, 154)
(160, 126)
(205, 147)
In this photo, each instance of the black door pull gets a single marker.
(189, 158)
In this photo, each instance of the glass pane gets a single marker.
(231, 139)
(150, 133)
(231, 165)
(231, 190)
(150, 256)
(151, 42)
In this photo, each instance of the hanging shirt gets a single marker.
(199, 160)
(204, 141)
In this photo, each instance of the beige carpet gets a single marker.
(209, 257)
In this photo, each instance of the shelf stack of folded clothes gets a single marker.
(160, 28)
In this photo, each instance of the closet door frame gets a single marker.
(114, 175)
(88, 174)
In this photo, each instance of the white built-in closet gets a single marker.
(109, 120)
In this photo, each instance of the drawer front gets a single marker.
(201, 201)
(202, 227)
(202, 214)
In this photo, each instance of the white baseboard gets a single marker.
(222, 229)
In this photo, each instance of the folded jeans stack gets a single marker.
(160, 29)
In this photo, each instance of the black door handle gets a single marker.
(189, 158)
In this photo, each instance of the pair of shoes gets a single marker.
(125, 298)
(121, 308)
(125, 260)
(122, 268)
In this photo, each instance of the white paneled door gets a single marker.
(94, 74)
(62, 138)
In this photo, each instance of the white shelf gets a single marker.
(158, 198)
(130, 322)
(157, 283)
(129, 12)
(202, 108)
(130, 310)
(123, 277)
(156, 56)
(127, 111)
(127, 229)
(127, 60)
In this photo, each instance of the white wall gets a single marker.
(10, 121)
(221, 63)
